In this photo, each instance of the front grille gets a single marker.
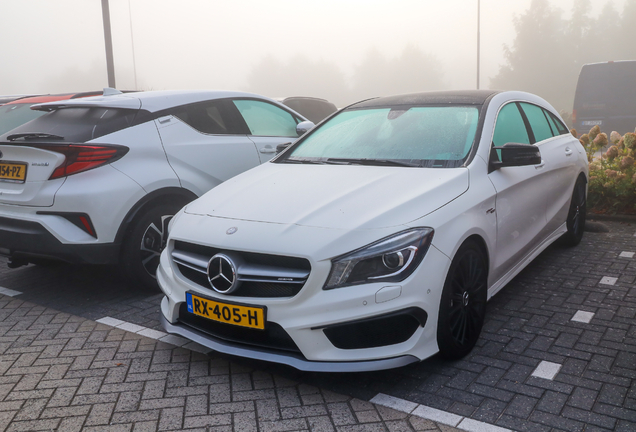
(260, 275)
(274, 337)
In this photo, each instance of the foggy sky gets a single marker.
(52, 46)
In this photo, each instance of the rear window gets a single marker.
(14, 115)
(78, 125)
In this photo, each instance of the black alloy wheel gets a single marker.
(144, 243)
(463, 304)
(576, 214)
(153, 242)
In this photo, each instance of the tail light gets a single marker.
(83, 157)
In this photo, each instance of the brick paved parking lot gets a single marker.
(66, 373)
(558, 353)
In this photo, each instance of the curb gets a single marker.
(615, 218)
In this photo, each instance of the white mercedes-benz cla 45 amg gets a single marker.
(376, 239)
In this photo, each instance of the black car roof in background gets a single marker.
(463, 97)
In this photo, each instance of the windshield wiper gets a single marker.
(28, 136)
(377, 162)
(303, 161)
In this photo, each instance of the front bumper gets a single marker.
(295, 361)
(310, 319)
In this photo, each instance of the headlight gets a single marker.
(391, 259)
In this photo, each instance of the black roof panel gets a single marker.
(468, 97)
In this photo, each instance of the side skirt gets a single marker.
(497, 286)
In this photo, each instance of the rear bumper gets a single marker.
(26, 240)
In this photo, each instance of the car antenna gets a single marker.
(109, 91)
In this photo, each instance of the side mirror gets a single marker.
(303, 127)
(515, 154)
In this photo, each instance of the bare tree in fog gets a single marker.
(298, 77)
(537, 55)
(411, 71)
(548, 51)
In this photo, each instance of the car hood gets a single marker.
(333, 196)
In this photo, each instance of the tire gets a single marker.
(144, 242)
(463, 305)
(576, 215)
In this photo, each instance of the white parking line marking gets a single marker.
(9, 292)
(435, 415)
(438, 416)
(151, 333)
(113, 322)
(546, 370)
(625, 254)
(394, 403)
(608, 280)
(471, 425)
(134, 328)
(583, 317)
(174, 340)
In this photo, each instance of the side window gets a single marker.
(265, 119)
(510, 127)
(538, 121)
(210, 117)
(561, 129)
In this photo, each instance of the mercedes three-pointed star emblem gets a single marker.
(222, 274)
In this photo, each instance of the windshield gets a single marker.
(14, 115)
(412, 136)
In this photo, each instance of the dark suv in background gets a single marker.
(606, 96)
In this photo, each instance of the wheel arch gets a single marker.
(155, 198)
(583, 175)
(481, 243)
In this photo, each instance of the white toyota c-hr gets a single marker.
(96, 180)
(375, 240)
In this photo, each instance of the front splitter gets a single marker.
(287, 359)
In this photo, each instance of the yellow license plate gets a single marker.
(12, 171)
(238, 315)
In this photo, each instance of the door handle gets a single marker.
(568, 151)
(267, 150)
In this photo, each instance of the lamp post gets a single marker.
(478, 45)
(110, 66)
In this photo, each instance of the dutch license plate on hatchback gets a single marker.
(234, 314)
(12, 171)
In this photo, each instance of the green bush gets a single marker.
(612, 181)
